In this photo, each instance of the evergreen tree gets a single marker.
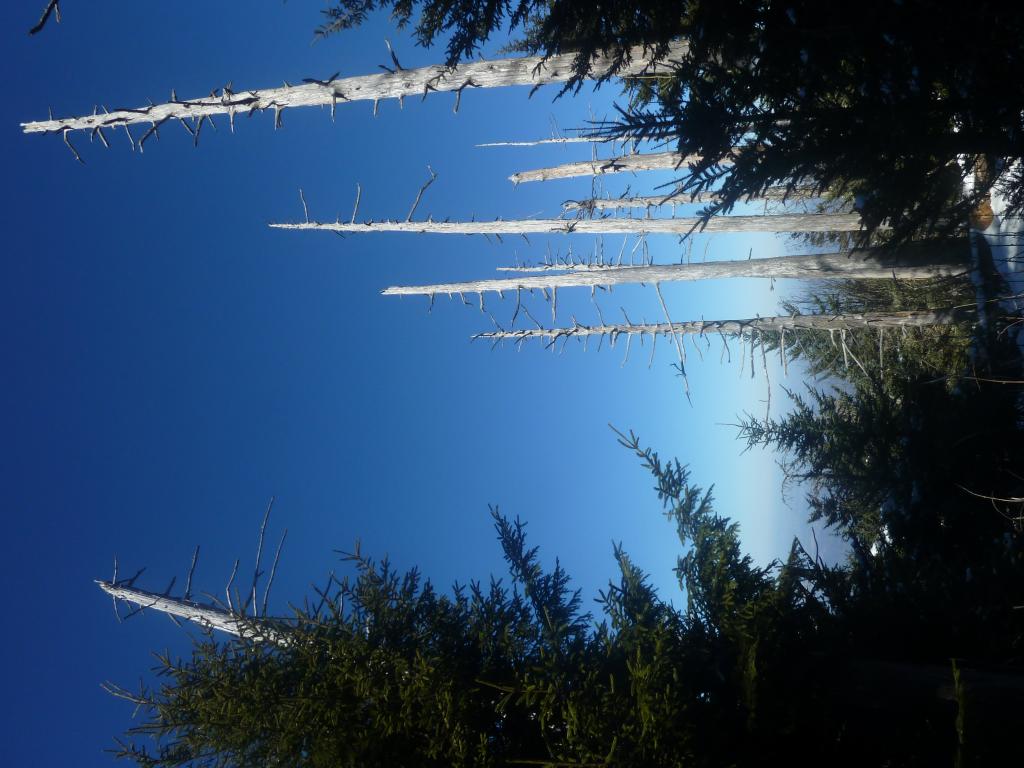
(889, 103)
(763, 663)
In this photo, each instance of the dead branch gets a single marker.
(52, 9)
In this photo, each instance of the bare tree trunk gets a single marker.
(584, 139)
(639, 162)
(530, 70)
(777, 324)
(207, 616)
(679, 198)
(913, 262)
(794, 222)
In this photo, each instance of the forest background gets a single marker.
(916, 560)
(171, 363)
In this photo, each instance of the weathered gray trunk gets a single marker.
(530, 70)
(790, 222)
(908, 264)
(640, 162)
(558, 140)
(683, 198)
(208, 616)
(777, 324)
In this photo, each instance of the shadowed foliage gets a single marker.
(890, 104)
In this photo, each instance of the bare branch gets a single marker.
(52, 8)
(416, 202)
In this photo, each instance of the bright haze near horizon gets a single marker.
(171, 362)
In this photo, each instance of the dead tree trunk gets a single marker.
(795, 222)
(530, 70)
(207, 616)
(908, 264)
(829, 323)
(584, 139)
(640, 162)
(683, 198)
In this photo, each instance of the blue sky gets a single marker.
(171, 363)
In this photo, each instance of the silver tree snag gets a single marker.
(581, 139)
(908, 264)
(790, 222)
(774, 194)
(776, 324)
(205, 615)
(529, 70)
(651, 161)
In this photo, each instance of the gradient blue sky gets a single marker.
(170, 363)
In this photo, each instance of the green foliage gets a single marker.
(890, 104)
(763, 661)
(867, 357)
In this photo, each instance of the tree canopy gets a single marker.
(890, 104)
(849, 663)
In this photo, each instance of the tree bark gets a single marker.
(909, 264)
(790, 222)
(735, 327)
(207, 616)
(530, 70)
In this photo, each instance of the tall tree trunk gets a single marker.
(582, 139)
(790, 222)
(679, 198)
(530, 70)
(913, 262)
(207, 616)
(639, 162)
(830, 323)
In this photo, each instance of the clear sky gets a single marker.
(170, 362)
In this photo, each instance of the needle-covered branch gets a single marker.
(529, 70)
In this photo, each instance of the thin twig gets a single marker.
(227, 589)
(273, 570)
(191, 571)
(419, 194)
(259, 556)
(355, 208)
(675, 338)
(52, 8)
